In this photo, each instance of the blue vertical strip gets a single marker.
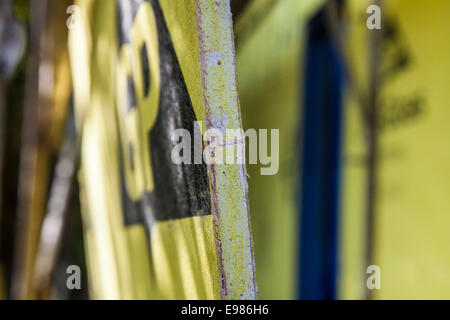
(321, 132)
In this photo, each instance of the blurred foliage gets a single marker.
(21, 10)
(15, 93)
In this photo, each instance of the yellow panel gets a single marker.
(182, 23)
(177, 258)
(180, 248)
(413, 176)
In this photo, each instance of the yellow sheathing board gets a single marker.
(180, 249)
(182, 24)
(112, 270)
(169, 255)
(412, 220)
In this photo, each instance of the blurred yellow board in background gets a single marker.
(413, 203)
